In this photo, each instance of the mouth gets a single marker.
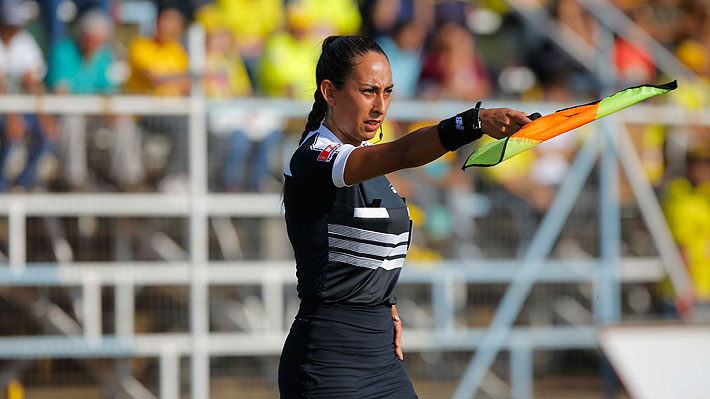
(372, 125)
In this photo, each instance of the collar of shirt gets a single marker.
(326, 133)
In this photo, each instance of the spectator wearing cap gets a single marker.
(81, 67)
(21, 71)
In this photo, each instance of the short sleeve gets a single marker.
(31, 55)
(138, 52)
(320, 162)
(62, 61)
(338, 172)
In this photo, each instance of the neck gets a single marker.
(329, 123)
(160, 39)
(6, 36)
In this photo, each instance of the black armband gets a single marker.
(461, 129)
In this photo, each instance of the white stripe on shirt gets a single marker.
(365, 262)
(360, 234)
(368, 249)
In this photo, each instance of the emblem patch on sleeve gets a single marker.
(327, 154)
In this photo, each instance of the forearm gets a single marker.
(429, 143)
(414, 149)
(33, 85)
(425, 145)
(419, 147)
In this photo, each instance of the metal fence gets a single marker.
(189, 292)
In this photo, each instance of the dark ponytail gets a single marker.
(317, 114)
(336, 62)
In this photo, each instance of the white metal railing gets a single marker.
(198, 272)
(407, 110)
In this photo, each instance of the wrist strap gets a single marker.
(461, 129)
(477, 116)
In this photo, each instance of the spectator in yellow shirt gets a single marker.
(288, 63)
(687, 209)
(225, 75)
(333, 17)
(159, 65)
(252, 22)
(245, 140)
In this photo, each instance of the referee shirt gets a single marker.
(349, 241)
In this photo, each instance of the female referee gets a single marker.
(350, 230)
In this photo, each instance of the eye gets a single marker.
(368, 91)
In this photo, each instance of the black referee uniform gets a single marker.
(350, 243)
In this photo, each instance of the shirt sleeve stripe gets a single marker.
(338, 173)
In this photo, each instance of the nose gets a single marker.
(379, 106)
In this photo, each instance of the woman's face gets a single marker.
(356, 111)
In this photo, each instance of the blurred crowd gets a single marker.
(438, 50)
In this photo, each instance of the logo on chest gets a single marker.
(327, 154)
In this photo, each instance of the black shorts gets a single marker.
(344, 353)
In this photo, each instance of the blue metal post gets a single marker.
(443, 302)
(521, 371)
(607, 297)
(533, 261)
(606, 288)
(607, 302)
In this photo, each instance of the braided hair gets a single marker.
(336, 62)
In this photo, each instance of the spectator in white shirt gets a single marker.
(21, 71)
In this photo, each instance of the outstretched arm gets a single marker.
(422, 146)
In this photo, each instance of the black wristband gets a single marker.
(461, 129)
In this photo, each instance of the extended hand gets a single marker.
(502, 122)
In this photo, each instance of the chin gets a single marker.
(367, 136)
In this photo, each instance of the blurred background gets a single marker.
(142, 149)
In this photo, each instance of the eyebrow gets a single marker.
(376, 86)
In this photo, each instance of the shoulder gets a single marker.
(66, 44)
(64, 49)
(105, 53)
(316, 148)
(25, 41)
(25, 51)
(278, 44)
(319, 158)
(174, 47)
(140, 43)
(24, 38)
(141, 47)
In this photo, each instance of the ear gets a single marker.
(327, 89)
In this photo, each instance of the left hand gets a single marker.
(397, 333)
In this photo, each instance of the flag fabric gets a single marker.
(562, 121)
